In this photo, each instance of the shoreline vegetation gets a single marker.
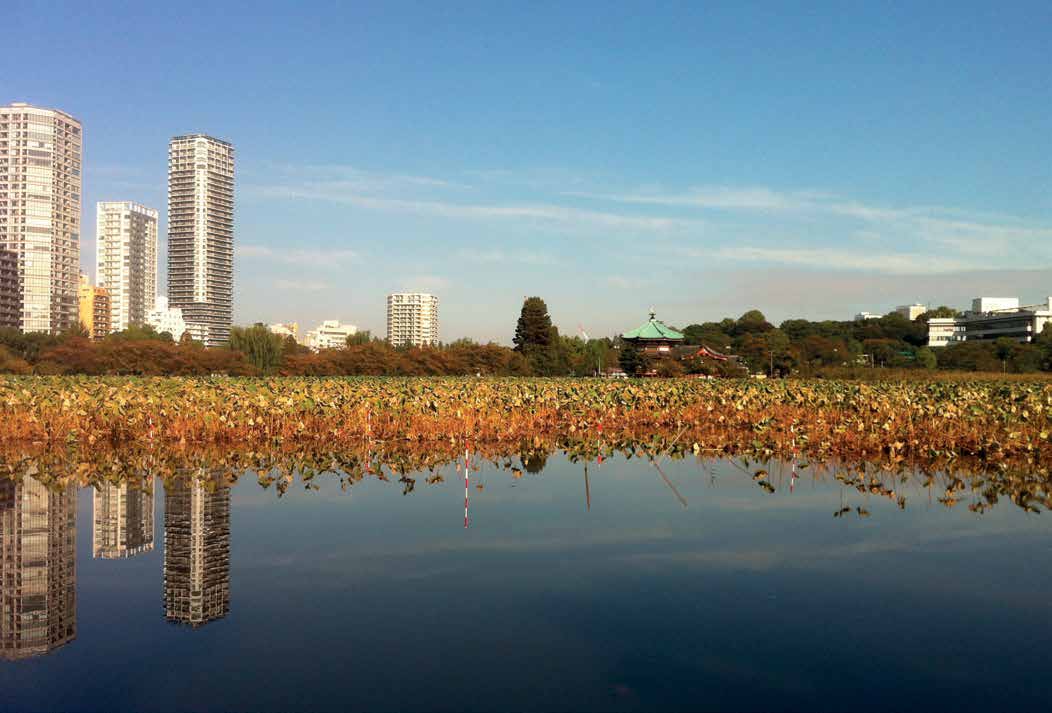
(989, 420)
(795, 348)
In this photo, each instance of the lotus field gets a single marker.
(822, 419)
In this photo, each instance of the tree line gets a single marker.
(796, 347)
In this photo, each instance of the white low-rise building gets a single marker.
(863, 316)
(166, 319)
(984, 305)
(992, 318)
(911, 312)
(330, 334)
(286, 329)
(943, 331)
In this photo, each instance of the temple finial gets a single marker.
(652, 313)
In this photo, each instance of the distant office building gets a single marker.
(166, 319)
(943, 331)
(38, 576)
(126, 260)
(863, 316)
(911, 312)
(95, 308)
(10, 292)
(412, 319)
(201, 235)
(985, 305)
(992, 318)
(123, 521)
(330, 334)
(196, 552)
(286, 329)
(40, 186)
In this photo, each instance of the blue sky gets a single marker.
(808, 160)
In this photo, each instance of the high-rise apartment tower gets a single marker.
(412, 319)
(201, 235)
(10, 290)
(38, 568)
(123, 520)
(196, 552)
(40, 186)
(126, 260)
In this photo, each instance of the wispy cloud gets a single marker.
(342, 193)
(353, 177)
(302, 285)
(501, 257)
(939, 226)
(625, 283)
(882, 262)
(316, 258)
(424, 283)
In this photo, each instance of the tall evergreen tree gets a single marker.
(534, 330)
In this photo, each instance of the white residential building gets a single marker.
(911, 312)
(863, 316)
(285, 329)
(40, 188)
(166, 319)
(126, 260)
(201, 235)
(412, 319)
(330, 334)
(992, 318)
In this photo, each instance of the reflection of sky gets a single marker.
(742, 599)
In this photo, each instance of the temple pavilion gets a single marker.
(654, 336)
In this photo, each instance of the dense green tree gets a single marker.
(262, 347)
(941, 311)
(926, 358)
(362, 337)
(711, 334)
(751, 322)
(136, 332)
(290, 346)
(28, 346)
(633, 360)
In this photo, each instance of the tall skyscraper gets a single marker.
(10, 292)
(40, 185)
(201, 235)
(412, 319)
(123, 521)
(38, 576)
(196, 552)
(126, 260)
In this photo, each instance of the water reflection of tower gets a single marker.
(38, 577)
(196, 552)
(123, 518)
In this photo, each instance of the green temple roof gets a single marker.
(654, 329)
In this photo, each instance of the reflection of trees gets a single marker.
(534, 462)
(38, 592)
(978, 482)
(123, 520)
(196, 551)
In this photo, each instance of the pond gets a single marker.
(626, 584)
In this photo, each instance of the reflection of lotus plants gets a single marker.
(1025, 479)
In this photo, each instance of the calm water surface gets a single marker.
(705, 592)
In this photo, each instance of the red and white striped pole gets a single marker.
(465, 488)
